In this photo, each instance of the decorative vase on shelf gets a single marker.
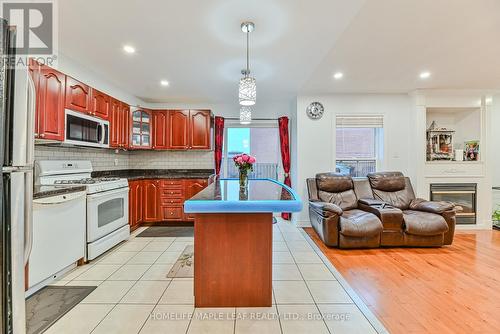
(244, 163)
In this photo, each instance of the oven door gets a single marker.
(85, 130)
(106, 212)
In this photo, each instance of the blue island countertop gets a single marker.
(261, 195)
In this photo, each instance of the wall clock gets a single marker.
(315, 110)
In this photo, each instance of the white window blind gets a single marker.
(360, 121)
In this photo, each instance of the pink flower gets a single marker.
(252, 160)
(245, 157)
(239, 160)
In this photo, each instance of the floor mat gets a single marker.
(49, 304)
(168, 231)
(184, 266)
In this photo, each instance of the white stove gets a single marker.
(107, 201)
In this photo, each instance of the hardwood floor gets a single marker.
(454, 289)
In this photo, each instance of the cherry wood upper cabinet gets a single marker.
(160, 130)
(50, 104)
(200, 129)
(178, 131)
(77, 95)
(124, 124)
(141, 129)
(100, 104)
(114, 123)
(151, 200)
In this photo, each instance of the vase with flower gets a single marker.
(244, 163)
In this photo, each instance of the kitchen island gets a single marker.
(233, 241)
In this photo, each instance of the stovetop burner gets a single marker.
(88, 180)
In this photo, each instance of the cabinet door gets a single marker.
(135, 203)
(124, 125)
(199, 129)
(178, 122)
(160, 135)
(34, 71)
(151, 199)
(114, 123)
(51, 104)
(192, 187)
(100, 104)
(77, 95)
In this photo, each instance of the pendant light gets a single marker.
(245, 115)
(248, 86)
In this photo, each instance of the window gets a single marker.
(359, 144)
(261, 141)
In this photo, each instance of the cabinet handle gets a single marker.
(171, 213)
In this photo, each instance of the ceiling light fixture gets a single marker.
(164, 83)
(425, 75)
(245, 115)
(338, 75)
(248, 86)
(129, 49)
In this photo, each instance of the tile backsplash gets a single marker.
(109, 160)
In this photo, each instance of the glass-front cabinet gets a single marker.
(141, 129)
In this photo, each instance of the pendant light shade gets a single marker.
(245, 115)
(247, 91)
(248, 85)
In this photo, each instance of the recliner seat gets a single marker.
(389, 197)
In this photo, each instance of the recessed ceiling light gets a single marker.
(425, 75)
(164, 83)
(129, 49)
(338, 75)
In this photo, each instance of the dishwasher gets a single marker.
(59, 232)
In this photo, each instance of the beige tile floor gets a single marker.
(133, 294)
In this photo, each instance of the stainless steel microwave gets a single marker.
(84, 130)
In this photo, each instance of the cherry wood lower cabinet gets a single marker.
(161, 200)
(135, 203)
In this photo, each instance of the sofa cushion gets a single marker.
(424, 223)
(333, 182)
(346, 200)
(357, 223)
(387, 181)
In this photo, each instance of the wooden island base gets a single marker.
(233, 259)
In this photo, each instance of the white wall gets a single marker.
(315, 141)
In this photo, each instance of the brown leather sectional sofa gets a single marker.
(380, 210)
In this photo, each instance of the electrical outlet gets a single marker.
(116, 162)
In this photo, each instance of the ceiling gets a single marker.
(379, 45)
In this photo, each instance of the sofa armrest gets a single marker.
(370, 201)
(432, 207)
(391, 217)
(326, 209)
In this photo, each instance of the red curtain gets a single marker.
(285, 155)
(219, 140)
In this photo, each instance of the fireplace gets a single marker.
(462, 194)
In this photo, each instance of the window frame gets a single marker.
(380, 138)
(255, 124)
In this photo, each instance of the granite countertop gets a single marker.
(140, 174)
(49, 191)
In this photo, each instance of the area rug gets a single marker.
(184, 266)
(48, 305)
(168, 231)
